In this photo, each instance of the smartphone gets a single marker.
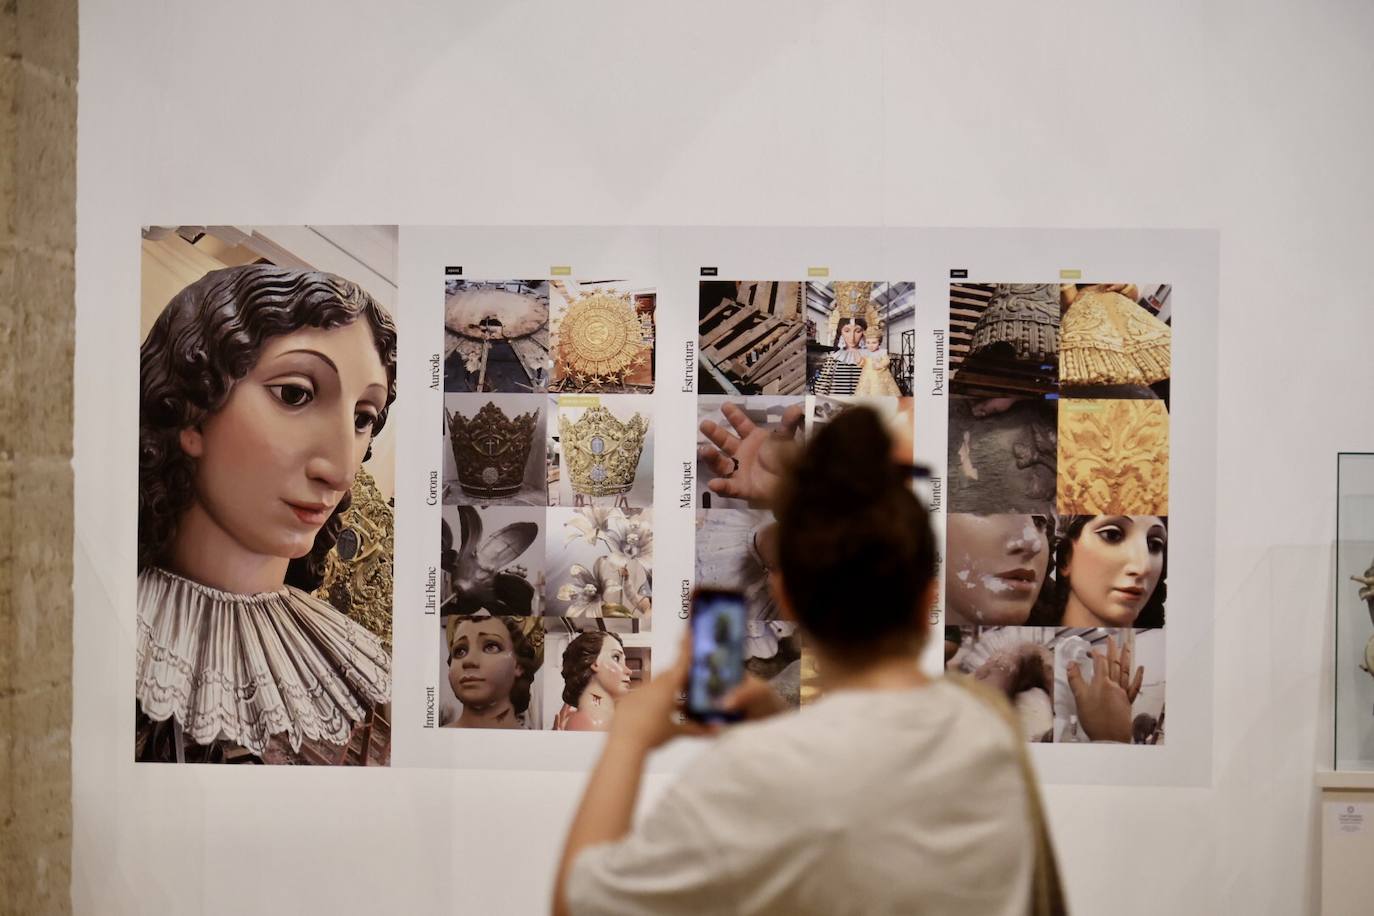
(718, 623)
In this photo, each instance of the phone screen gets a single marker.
(718, 618)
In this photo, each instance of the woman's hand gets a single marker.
(754, 698)
(749, 462)
(649, 716)
(1104, 703)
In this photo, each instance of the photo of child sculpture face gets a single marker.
(492, 663)
(261, 389)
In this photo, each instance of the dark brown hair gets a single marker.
(206, 339)
(854, 543)
(578, 659)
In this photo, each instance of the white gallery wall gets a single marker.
(1251, 118)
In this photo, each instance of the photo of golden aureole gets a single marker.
(1113, 457)
(599, 340)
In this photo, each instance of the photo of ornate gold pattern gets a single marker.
(603, 337)
(1002, 455)
(496, 335)
(1113, 457)
(751, 337)
(600, 564)
(861, 338)
(603, 455)
(492, 560)
(494, 449)
(1003, 339)
(1115, 340)
(222, 309)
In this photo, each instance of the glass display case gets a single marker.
(1354, 586)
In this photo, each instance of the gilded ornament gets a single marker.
(601, 452)
(358, 577)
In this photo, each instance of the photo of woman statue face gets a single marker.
(609, 670)
(482, 666)
(1112, 569)
(273, 462)
(996, 567)
(852, 334)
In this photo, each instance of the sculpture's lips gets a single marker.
(311, 513)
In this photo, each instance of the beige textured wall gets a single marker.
(38, 41)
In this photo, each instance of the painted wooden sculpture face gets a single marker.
(1113, 568)
(275, 460)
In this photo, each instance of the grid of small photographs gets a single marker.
(546, 568)
(1058, 502)
(775, 360)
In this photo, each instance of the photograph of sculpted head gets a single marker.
(1109, 571)
(751, 337)
(864, 339)
(600, 564)
(489, 671)
(743, 445)
(590, 671)
(601, 451)
(496, 335)
(603, 337)
(264, 518)
(1004, 339)
(996, 567)
(1002, 455)
(494, 449)
(1115, 340)
(491, 561)
(1070, 685)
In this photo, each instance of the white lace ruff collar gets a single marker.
(243, 668)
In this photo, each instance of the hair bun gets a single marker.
(849, 460)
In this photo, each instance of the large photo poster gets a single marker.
(1057, 530)
(265, 522)
(590, 424)
(778, 358)
(546, 553)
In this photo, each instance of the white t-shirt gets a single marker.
(866, 802)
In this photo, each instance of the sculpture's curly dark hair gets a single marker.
(578, 659)
(1071, 529)
(528, 649)
(206, 339)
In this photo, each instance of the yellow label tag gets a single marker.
(818, 271)
(1076, 406)
(560, 270)
(579, 400)
(1071, 275)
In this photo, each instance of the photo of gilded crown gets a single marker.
(491, 450)
(599, 340)
(854, 299)
(601, 452)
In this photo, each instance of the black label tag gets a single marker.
(453, 271)
(709, 271)
(958, 274)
